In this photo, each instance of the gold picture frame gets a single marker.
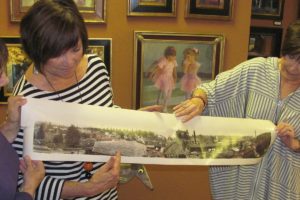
(150, 47)
(93, 11)
(209, 9)
(16, 66)
(152, 8)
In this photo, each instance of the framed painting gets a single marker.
(165, 8)
(209, 9)
(267, 9)
(264, 42)
(168, 66)
(18, 62)
(103, 48)
(93, 11)
(16, 66)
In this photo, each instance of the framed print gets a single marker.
(264, 42)
(16, 66)
(168, 66)
(18, 62)
(267, 9)
(103, 48)
(209, 9)
(165, 8)
(93, 11)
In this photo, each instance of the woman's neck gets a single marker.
(288, 83)
(286, 78)
(287, 86)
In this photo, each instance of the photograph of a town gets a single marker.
(58, 138)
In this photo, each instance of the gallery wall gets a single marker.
(121, 29)
(170, 182)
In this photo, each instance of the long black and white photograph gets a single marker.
(141, 137)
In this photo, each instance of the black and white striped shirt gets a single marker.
(95, 89)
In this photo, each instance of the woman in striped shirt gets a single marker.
(55, 38)
(261, 88)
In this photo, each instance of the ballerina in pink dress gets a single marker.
(164, 76)
(191, 66)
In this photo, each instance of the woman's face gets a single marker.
(290, 66)
(3, 77)
(65, 64)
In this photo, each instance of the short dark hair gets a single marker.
(49, 28)
(291, 42)
(3, 54)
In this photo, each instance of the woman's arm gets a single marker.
(11, 125)
(105, 178)
(33, 172)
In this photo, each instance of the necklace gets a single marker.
(79, 89)
(57, 93)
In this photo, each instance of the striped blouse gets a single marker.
(93, 89)
(251, 90)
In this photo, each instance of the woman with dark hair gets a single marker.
(260, 88)
(9, 163)
(55, 38)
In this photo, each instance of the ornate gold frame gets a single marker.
(150, 45)
(94, 14)
(152, 8)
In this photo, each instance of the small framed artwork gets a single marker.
(103, 48)
(93, 11)
(16, 66)
(209, 9)
(267, 9)
(264, 42)
(18, 62)
(165, 8)
(169, 66)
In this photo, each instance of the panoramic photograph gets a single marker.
(55, 138)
